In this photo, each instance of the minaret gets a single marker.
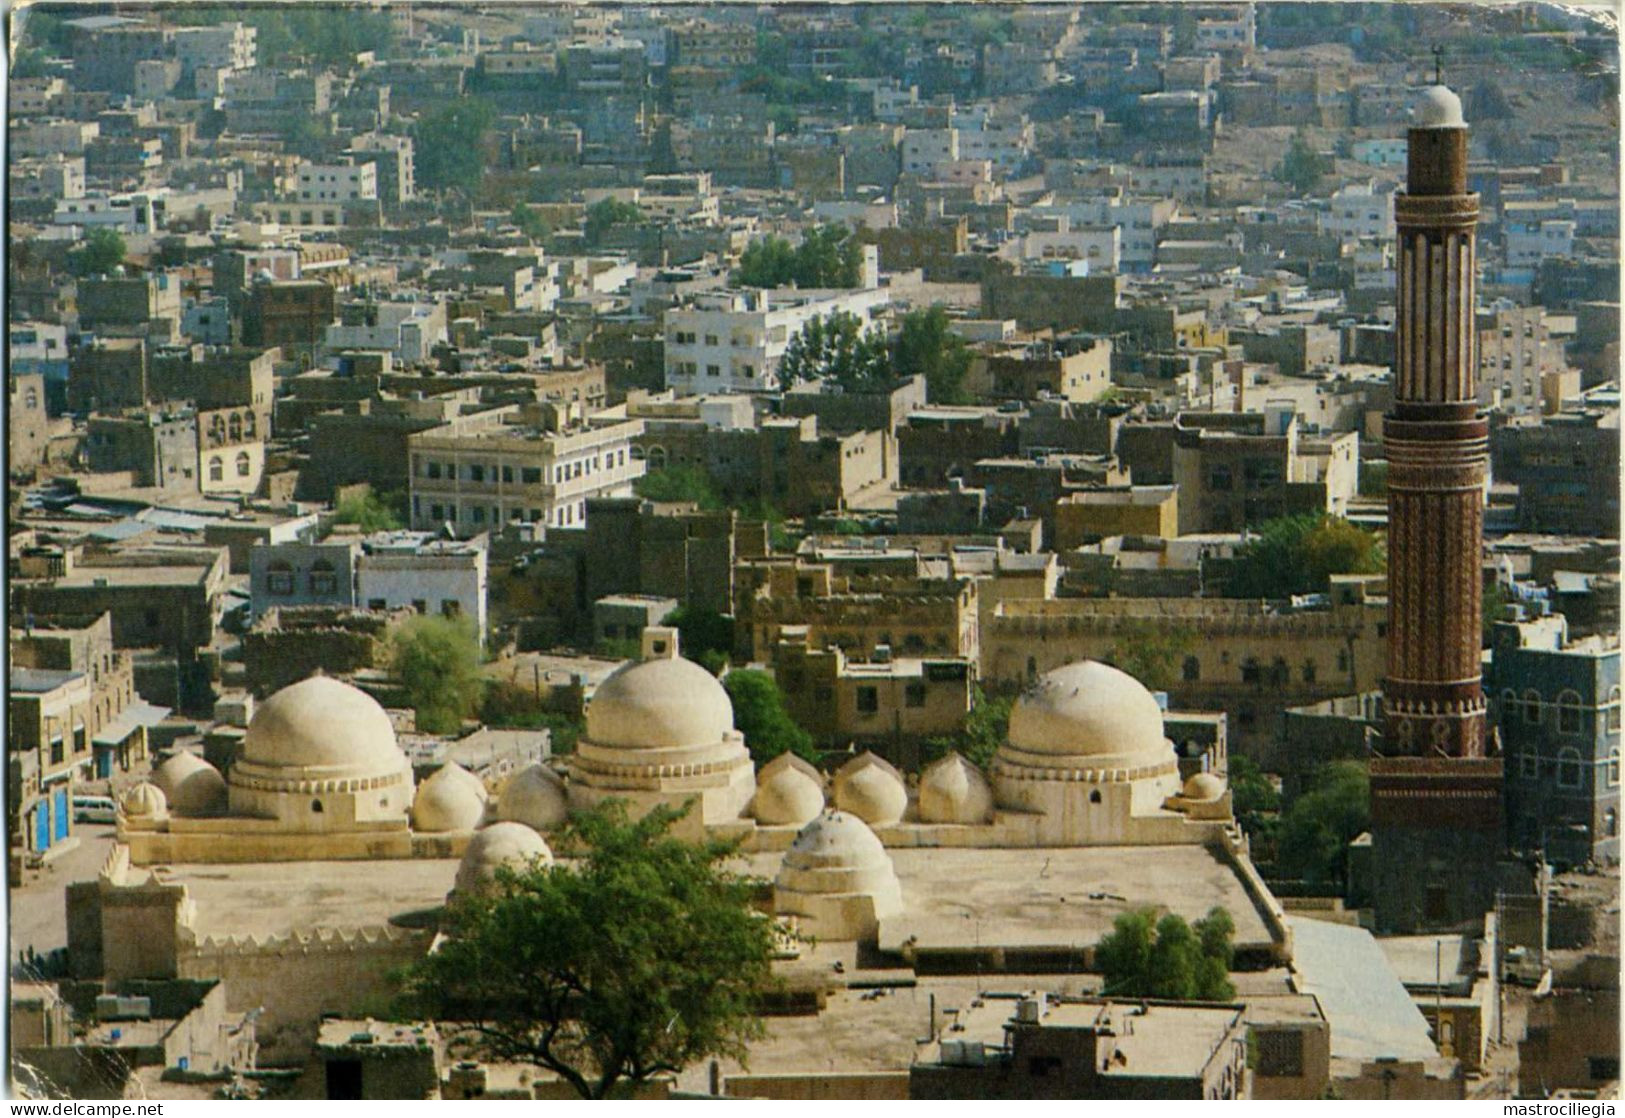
(1438, 450)
(1436, 817)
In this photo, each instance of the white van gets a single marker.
(94, 809)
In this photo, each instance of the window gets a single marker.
(432, 470)
(530, 475)
(435, 512)
(377, 603)
(713, 370)
(279, 577)
(868, 700)
(1509, 703)
(236, 427)
(1309, 671)
(420, 606)
(450, 607)
(1219, 479)
(479, 514)
(507, 475)
(323, 579)
(1280, 1053)
(476, 473)
(914, 695)
(1192, 670)
(245, 465)
(316, 807)
(217, 469)
(1613, 707)
(1568, 769)
(1568, 712)
(1529, 765)
(1250, 672)
(1531, 708)
(1613, 767)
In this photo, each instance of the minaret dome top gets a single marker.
(1437, 107)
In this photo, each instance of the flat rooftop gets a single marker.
(275, 898)
(176, 574)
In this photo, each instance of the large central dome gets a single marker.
(1093, 711)
(321, 728)
(661, 704)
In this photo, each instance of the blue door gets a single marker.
(104, 762)
(61, 814)
(42, 827)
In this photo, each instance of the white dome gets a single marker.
(835, 840)
(535, 797)
(955, 791)
(788, 791)
(659, 704)
(145, 799)
(500, 844)
(868, 787)
(1203, 787)
(1437, 106)
(1092, 713)
(838, 878)
(321, 729)
(191, 785)
(451, 799)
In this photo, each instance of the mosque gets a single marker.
(1082, 816)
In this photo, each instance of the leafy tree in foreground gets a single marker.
(1143, 957)
(925, 347)
(760, 715)
(837, 347)
(102, 251)
(633, 962)
(437, 661)
(1299, 554)
(1317, 829)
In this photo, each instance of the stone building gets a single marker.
(27, 428)
(159, 449)
(1555, 464)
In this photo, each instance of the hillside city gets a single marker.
(810, 551)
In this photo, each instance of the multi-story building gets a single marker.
(1237, 471)
(1078, 372)
(392, 156)
(1558, 465)
(116, 717)
(1557, 705)
(734, 341)
(407, 328)
(158, 447)
(27, 429)
(302, 574)
(47, 754)
(1359, 211)
(1517, 356)
(428, 574)
(337, 182)
(539, 466)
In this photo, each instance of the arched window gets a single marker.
(279, 577)
(1309, 671)
(1509, 704)
(1094, 797)
(217, 428)
(1613, 707)
(31, 397)
(245, 465)
(1250, 672)
(1610, 823)
(236, 427)
(323, 580)
(637, 454)
(657, 457)
(1613, 767)
(250, 424)
(1568, 768)
(1568, 712)
(1531, 708)
(1529, 765)
(217, 469)
(1192, 671)
(316, 807)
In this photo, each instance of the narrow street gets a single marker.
(38, 909)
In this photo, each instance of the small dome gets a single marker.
(835, 839)
(320, 728)
(661, 703)
(535, 797)
(955, 791)
(1089, 709)
(871, 789)
(788, 791)
(1437, 107)
(500, 844)
(451, 799)
(144, 800)
(191, 785)
(1203, 787)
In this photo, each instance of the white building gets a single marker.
(430, 575)
(128, 213)
(409, 330)
(337, 182)
(1385, 152)
(1138, 222)
(511, 464)
(734, 341)
(925, 148)
(1528, 243)
(226, 46)
(1234, 32)
(1005, 142)
(1101, 246)
(1360, 210)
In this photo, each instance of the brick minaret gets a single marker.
(1436, 815)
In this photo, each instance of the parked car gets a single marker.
(94, 809)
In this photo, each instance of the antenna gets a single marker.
(1438, 65)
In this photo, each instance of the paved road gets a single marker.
(39, 909)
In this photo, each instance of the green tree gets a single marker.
(1319, 825)
(1299, 554)
(634, 961)
(760, 715)
(1145, 957)
(679, 483)
(102, 251)
(531, 223)
(980, 735)
(369, 512)
(926, 347)
(509, 705)
(1253, 797)
(448, 143)
(829, 256)
(1151, 654)
(604, 215)
(836, 347)
(1302, 167)
(767, 262)
(437, 662)
(1492, 608)
(704, 635)
(1374, 479)
(29, 62)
